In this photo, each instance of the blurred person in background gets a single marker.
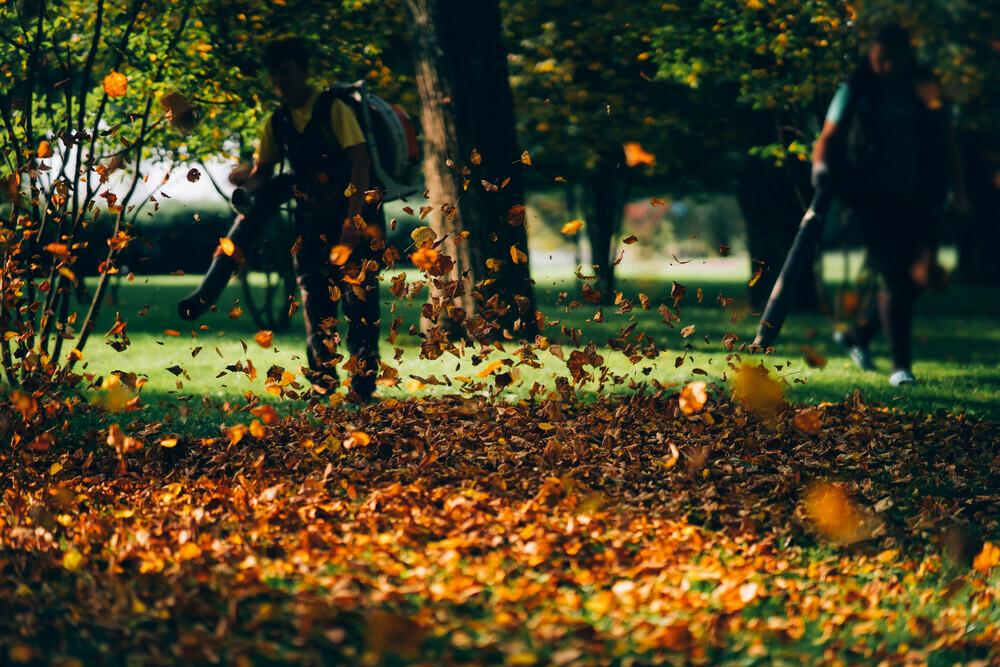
(888, 150)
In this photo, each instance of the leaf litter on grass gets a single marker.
(659, 528)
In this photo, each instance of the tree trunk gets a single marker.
(605, 210)
(467, 116)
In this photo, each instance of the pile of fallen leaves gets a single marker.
(651, 529)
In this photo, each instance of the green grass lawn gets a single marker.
(614, 530)
(956, 343)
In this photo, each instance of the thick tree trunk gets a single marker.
(467, 117)
(605, 210)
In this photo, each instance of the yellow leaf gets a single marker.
(517, 256)
(55, 468)
(475, 158)
(490, 367)
(227, 246)
(526, 158)
(423, 236)
(754, 387)
(572, 227)
(169, 443)
(72, 560)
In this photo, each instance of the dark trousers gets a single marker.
(896, 232)
(319, 217)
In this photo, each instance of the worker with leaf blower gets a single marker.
(339, 228)
(887, 150)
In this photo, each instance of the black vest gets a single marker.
(316, 158)
(858, 143)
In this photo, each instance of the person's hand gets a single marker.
(820, 176)
(927, 273)
(240, 174)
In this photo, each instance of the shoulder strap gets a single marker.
(279, 129)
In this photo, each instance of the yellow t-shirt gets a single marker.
(343, 123)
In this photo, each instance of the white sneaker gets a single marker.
(902, 377)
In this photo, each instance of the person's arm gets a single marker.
(251, 177)
(821, 149)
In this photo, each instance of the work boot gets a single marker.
(198, 302)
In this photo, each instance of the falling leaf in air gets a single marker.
(693, 397)
(517, 256)
(572, 227)
(227, 246)
(264, 338)
(44, 149)
(754, 387)
(755, 278)
(636, 155)
(835, 515)
(339, 254)
(193, 175)
(115, 84)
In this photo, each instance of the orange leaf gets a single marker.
(227, 246)
(835, 515)
(189, 551)
(693, 397)
(808, 421)
(264, 338)
(572, 227)
(44, 149)
(339, 254)
(115, 84)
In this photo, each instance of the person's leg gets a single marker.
(897, 297)
(244, 234)
(362, 308)
(319, 310)
(868, 323)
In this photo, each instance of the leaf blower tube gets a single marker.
(256, 210)
(801, 252)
